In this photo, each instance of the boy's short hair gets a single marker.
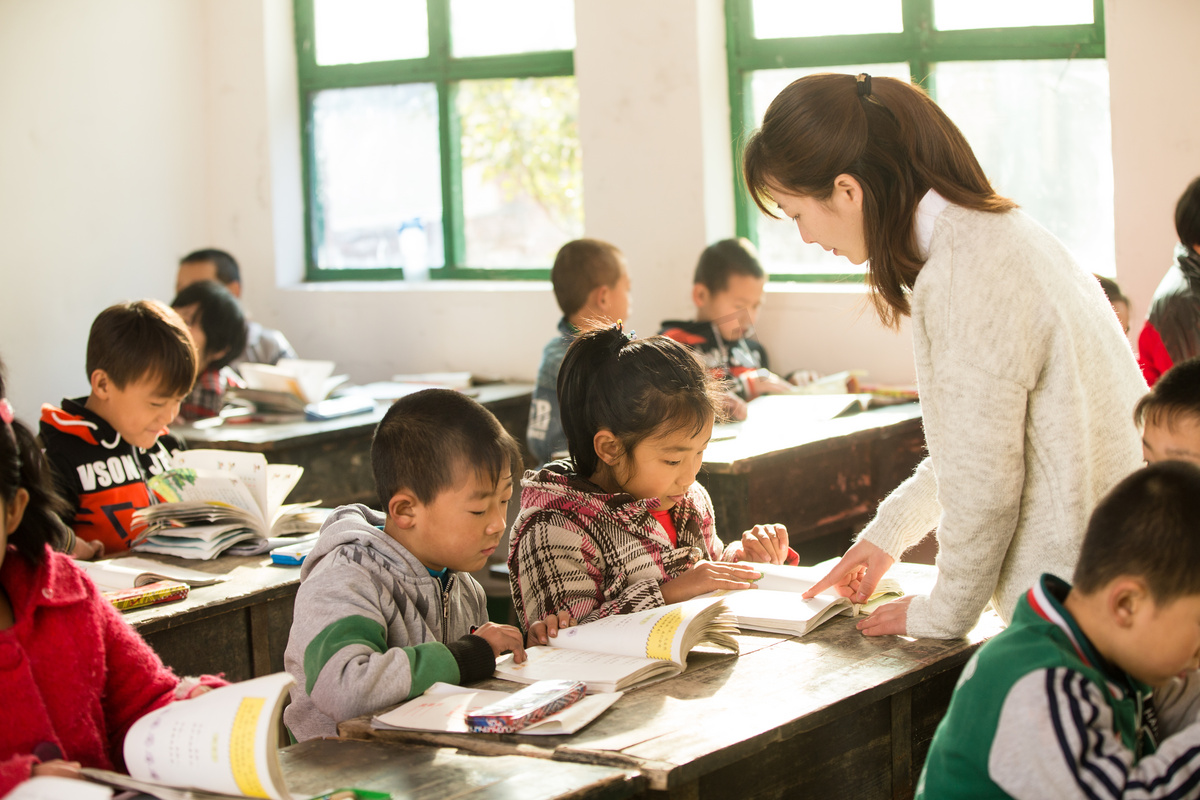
(1146, 527)
(227, 267)
(725, 258)
(581, 266)
(427, 438)
(1112, 290)
(220, 317)
(1187, 216)
(140, 339)
(1176, 394)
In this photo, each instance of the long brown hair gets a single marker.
(893, 140)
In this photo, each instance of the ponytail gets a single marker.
(636, 388)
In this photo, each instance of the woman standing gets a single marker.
(1027, 382)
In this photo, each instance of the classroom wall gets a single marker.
(136, 130)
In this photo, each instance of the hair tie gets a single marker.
(864, 85)
(619, 327)
(6, 411)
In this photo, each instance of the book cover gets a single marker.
(148, 594)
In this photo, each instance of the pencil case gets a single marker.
(525, 707)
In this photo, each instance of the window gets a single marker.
(440, 137)
(1025, 80)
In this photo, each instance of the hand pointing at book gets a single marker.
(708, 576)
(856, 576)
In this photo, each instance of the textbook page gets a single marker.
(658, 633)
(223, 741)
(602, 672)
(250, 468)
(127, 573)
(443, 708)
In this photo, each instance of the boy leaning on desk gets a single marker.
(1092, 691)
(386, 606)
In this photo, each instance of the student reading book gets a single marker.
(776, 603)
(217, 498)
(615, 652)
(225, 741)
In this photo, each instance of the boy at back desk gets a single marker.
(386, 606)
(591, 285)
(141, 363)
(1169, 415)
(728, 291)
(1091, 692)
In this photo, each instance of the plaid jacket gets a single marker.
(577, 547)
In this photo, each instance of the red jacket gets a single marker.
(73, 673)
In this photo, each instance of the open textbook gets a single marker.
(111, 574)
(213, 499)
(443, 708)
(615, 652)
(775, 603)
(224, 743)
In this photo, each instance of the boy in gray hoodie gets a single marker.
(385, 606)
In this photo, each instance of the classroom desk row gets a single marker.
(336, 453)
(830, 714)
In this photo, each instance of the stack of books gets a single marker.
(214, 500)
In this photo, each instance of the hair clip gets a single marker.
(619, 327)
(864, 85)
(6, 411)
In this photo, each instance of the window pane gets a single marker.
(779, 244)
(953, 15)
(377, 174)
(358, 31)
(781, 19)
(1041, 130)
(522, 171)
(501, 27)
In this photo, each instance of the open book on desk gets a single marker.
(223, 743)
(110, 574)
(214, 499)
(615, 652)
(775, 603)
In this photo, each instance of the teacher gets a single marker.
(1027, 382)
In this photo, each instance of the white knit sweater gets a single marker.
(1027, 391)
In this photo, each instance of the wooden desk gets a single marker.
(239, 626)
(822, 480)
(429, 773)
(830, 714)
(336, 453)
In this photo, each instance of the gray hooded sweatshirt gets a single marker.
(372, 627)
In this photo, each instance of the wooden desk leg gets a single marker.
(260, 640)
(902, 774)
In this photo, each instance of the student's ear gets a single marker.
(235, 288)
(700, 295)
(846, 188)
(403, 509)
(608, 446)
(15, 509)
(102, 385)
(601, 298)
(1127, 597)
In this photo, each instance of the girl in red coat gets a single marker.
(74, 676)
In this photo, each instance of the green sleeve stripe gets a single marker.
(341, 633)
(429, 663)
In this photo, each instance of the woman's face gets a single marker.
(836, 224)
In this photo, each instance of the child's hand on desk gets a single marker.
(708, 576)
(769, 383)
(86, 550)
(502, 638)
(767, 544)
(542, 629)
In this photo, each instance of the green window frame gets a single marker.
(443, 70)
(920, 45)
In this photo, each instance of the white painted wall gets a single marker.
(135, 130)
(102, 137)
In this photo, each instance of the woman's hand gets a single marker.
(857, 574)
(543, 630)
(767, 544)
(708, 576)
(889, 618)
